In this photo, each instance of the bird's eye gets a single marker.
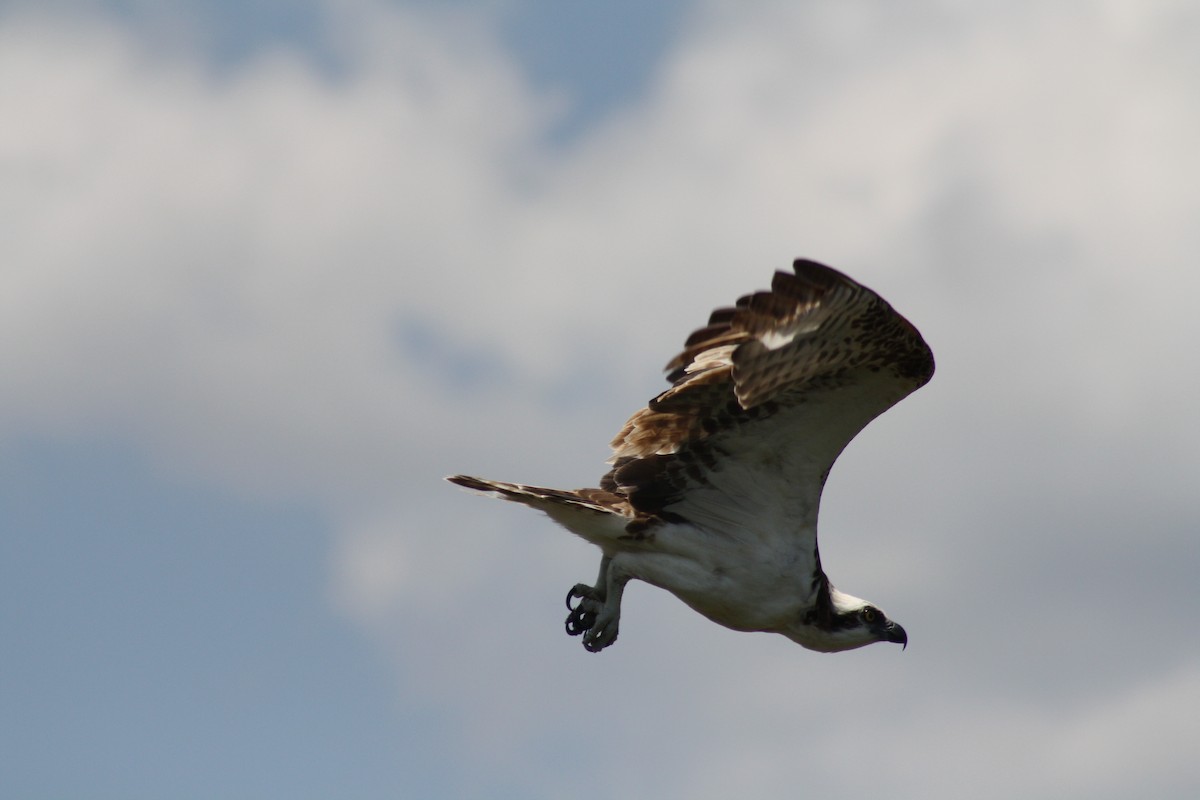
(869, 615)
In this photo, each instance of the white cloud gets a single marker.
(223, 264)
(342, 287)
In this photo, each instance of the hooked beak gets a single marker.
(892, 632)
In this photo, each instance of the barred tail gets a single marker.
(594, 514)
(535, 496)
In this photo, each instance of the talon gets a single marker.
(582, 591)
(595, 641)
(583, 613)
(591, 615)
(580, 621)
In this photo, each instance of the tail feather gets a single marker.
(504, 491)
(540, 496)
(601, 517)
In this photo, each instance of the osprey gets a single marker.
(715, 484)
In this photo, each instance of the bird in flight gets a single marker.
(714, 486)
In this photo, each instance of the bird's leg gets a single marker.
(591, 600)
(603, 630)
(598, 611)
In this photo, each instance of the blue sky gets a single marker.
(272, 269)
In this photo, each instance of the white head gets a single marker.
(844, 622)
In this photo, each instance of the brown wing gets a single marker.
(764, 398)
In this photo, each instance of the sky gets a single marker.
(271, 269)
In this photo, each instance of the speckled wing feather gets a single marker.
(762, 401)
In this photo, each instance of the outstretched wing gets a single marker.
(762, 401)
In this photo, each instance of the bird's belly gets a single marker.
(747, 606)
(746, 589)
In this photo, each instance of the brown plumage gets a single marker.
(762, 400)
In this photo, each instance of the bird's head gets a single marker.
(848, 622)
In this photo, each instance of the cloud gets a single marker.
(337, 286)
(217, 263)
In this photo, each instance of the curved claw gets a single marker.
(598, 643)
(594, 643)
(591, 617)
(584, 592)
(583, 615)
(580, 621)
